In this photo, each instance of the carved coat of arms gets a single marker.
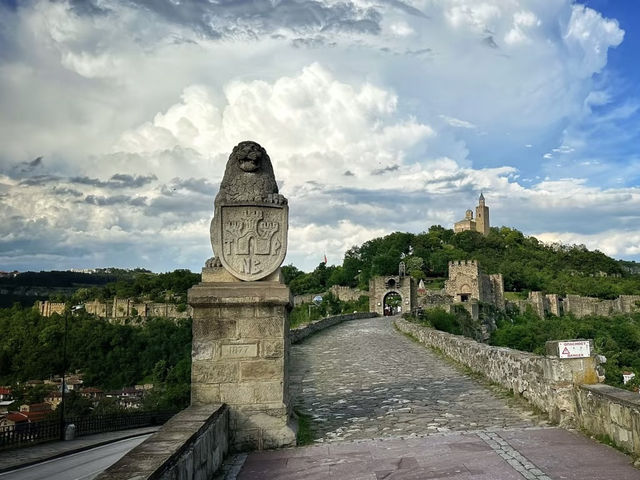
(250, 240)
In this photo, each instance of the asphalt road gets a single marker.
(78, 466)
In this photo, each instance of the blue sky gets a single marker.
(379, 116)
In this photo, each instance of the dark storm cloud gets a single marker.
(34, 237)
(250, 18)
(66, 191)
(38, 180)
(382, 171)
(36, 162)
(115, 199)
(119, 180)
(25, 168)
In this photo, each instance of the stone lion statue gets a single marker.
(249, 177)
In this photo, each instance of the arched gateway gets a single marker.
(397, 292)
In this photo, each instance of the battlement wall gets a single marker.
(48, 308)
(121, 309)
(577, 305)
(463, 263)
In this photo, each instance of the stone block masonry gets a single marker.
(240, 357)
(546, 382)
(48, 308)
(610, 411)
(192, 444)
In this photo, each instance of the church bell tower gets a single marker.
(482, 216)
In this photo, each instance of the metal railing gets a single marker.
(31, 433)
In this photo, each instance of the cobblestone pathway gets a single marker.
(384, 407)
(361, 379)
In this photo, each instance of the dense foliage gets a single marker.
(110, 356)
(159, 287)
(76, 287)
(526, 263)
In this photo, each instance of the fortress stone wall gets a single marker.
(123, 308)
(345, 294)
(48, 308)
(577, 305)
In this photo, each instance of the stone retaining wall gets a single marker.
(192, 444)
(546, 382)
(297, 334)
(606, 410)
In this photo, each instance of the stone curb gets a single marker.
(70, 452)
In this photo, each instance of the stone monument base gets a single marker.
(240, 357)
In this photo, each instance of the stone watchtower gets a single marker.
(482, 216)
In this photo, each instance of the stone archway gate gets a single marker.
(380, 287)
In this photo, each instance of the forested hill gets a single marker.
(525, 262)
(76, 287)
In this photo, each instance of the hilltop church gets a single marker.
(481, 222)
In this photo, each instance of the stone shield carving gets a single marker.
(250, 240)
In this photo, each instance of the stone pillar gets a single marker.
(241, 308)
(240, 357)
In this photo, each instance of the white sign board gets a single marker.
(576, 349)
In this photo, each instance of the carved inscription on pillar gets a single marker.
(240, 351)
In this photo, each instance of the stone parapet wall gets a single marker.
(345, 294)
(297, 334)
(606, 410)
(192, 444)
(546, 382)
